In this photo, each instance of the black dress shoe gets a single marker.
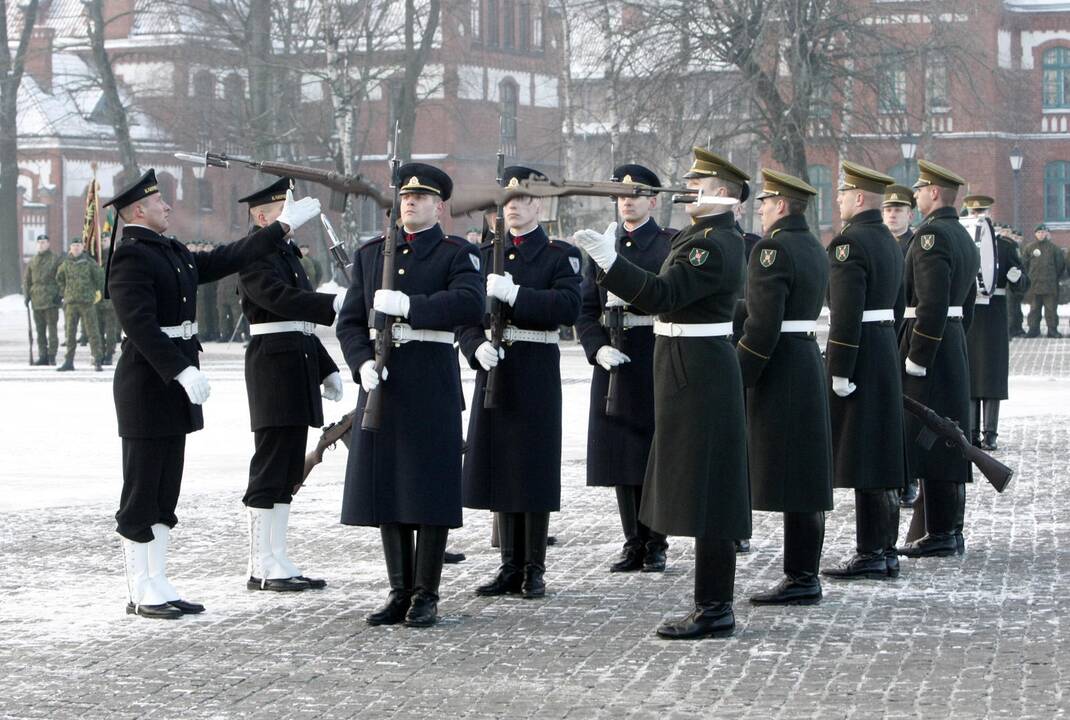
(424, 610)
(742, 546)
(533, 586)
(277, 584)
(930, 546)
(654, 561)
(707, 620)
(452, 558)
(508, 581)
(891, 561)
(989, 442)
(869, 566)
(156, 612)
(313, 583)
(187, 608)
(397, 605)
(551, 539)
(960, 544)
(790, 591)
(631, 559)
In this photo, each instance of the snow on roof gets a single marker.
(1037, 5)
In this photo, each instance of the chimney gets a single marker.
(39, 56)
(118, 18)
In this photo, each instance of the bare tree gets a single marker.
(12, 68)
(421, 25)
(114, 108)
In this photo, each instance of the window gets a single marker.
(203, 85)
(477, 26)
(492, 23)
(903, 171)
(893, 89)
(821, 178)
(536, 28)
(525, 26)
(234, 95)
(204, 195)
(1057, 191)
(937, 95)
(509, 24)
(821, 99)
(1057, 78)
(509, 94)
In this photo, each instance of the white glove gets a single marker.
(195, 383)
(369, 380)
(339, 301)
(502, 287)
(601, 247)
(391, 302)
(296, 213)
(1014, 274)
(610, 357)
(914, 369)
(842, 386)
(614, 301)
(488, 357)
(332, 387)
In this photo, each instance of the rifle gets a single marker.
(497, 307)
(995, 472)
(29, 330)
(614, 319)
(337, 250)
(341, 186)
(328, 439)
(484, 197)
(384, 326)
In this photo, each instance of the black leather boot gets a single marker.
(631, 557)
(430, 554)
(656, 545)
(536, 528)
(510, 573)
(991, 423)
(909, 495)
(804, 536)
(715, 574)
(940, 515)
(400, 569)
(870, 542)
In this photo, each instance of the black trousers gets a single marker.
(715, 570)
(152, 479)
(636, 534)
(277, 465)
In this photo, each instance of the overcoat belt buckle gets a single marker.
(187, 329)
(676, 330)
(307, 328)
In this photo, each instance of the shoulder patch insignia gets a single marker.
(843, 252)
(767, 258)
(698, 256)
(927, 241)
(475, 260)
(575, 263)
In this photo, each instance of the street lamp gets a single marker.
(908, 146)
(1016, 166)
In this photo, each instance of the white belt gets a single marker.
(401, 333)
(270, 328)
(955, 311)
(877, 315)
(513, 334)
(630, 320)
(669, 329)
(798, 326)
(185, 331)
(999, 291)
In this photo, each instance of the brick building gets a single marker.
(488, 57)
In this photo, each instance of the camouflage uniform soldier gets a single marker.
(228, 306)
(81, 282)
(41, 289)
(312, 268)
(1044, 264)
(110, 331)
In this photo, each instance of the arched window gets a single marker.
(821, 178)
(203, 85)
(1057, 191)
(1056, 90)
(234, 95)
(509, 94)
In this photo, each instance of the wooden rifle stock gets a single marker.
(328, 438)
(497, 307)
(995, 472)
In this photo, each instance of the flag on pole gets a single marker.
(90, 225)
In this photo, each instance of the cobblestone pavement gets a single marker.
(985, 635)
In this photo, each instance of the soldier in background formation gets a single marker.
(618, 444)
(1015, 291)
(231, 323)
(897, 210)
(1045, 263)
(312, 268)
(81, 285)
(42, 289)
(988, 339)
(513, 462)
(110, 332)
(866, 406)
(207, 312)
(788, 435)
